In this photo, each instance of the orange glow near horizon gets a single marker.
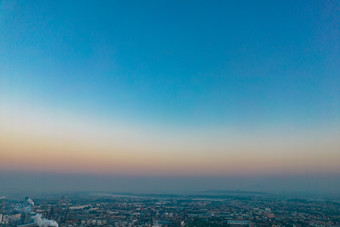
(38, 143)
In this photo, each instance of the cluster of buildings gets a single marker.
(153, 211)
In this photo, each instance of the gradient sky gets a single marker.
(170, 88)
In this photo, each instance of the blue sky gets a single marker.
(175, 62)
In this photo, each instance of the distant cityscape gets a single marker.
(164, 113)
(124, 210)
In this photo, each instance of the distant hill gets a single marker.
(232, 192)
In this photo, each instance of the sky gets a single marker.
(170, 89)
